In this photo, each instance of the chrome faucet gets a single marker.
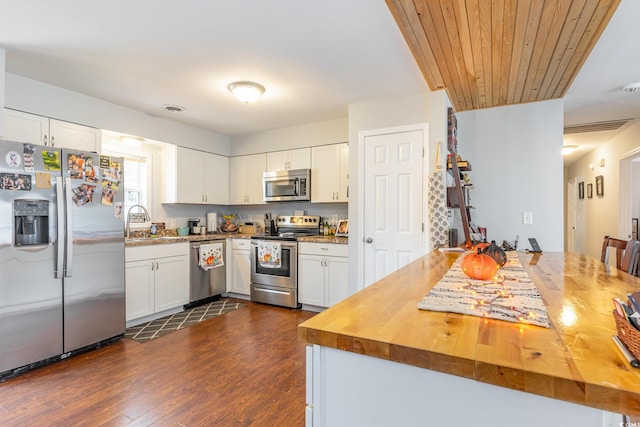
(146, 217)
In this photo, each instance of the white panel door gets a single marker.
(393, 202)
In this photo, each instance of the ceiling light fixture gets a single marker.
(632, 87)
(568, 149)
(132, 141)
(246, 92)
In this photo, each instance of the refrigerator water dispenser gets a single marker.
(31, 222)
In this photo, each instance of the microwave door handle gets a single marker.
(296, 186)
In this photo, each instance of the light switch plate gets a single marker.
(527, 217)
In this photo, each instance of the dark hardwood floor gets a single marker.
(242, 368)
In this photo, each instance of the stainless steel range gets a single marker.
(274, 261)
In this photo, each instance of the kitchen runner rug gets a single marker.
(174, 322)
(511, 295)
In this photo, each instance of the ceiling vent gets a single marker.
(595, 127)
(173, 108)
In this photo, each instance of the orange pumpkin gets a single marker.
(479, 266)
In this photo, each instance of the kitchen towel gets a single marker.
(510, 296)
(211, 256)
(269, 254)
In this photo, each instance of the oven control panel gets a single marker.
(306, 221)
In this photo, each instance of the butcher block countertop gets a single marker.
(575, 360)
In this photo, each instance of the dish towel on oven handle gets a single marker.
(211, 256)
(269, 254)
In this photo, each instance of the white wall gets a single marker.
(598, 217)
(384, 113)
(515, 154)
(307, 135)
(39, 98)
(3, 62)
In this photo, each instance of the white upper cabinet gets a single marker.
(39, 130)
(245, 179)
(192, 176)
(289, 159)
(330, 173)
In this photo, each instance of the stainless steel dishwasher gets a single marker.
(206, 285)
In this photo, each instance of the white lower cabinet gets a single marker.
(157, 279)
(239, 266)
(322, 273)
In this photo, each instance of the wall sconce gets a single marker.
(246, 92)
(568, 149)
(602, 162)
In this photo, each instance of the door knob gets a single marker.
(369, 240)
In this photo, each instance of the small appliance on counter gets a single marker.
(194, 226)
(212, 222)
(269, 225)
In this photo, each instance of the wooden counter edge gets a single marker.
(578, 392)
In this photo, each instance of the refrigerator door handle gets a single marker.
(60, 231)
(69, 230)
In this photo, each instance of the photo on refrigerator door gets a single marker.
(51, 160)
(83, 194)
(109, 191)
(15, 181)
(75, 164)
(90, 171)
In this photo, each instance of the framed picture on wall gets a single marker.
(589, 191)
(600, 186)
(581, 190)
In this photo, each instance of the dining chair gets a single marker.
(627, 253)
(629, 261)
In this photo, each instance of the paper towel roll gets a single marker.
(212, 222)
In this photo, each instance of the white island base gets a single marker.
(349, 389)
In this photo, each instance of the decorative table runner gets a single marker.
(510, 295)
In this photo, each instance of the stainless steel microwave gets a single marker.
(286, 185)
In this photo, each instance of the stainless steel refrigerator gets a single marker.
(61, 253)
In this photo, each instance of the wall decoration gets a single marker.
(452, 131)
(581, 190)
(589, 191)
(600, 186)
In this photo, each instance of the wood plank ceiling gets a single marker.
(488, 53)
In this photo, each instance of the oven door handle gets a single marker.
(287, 245)
(270, 291)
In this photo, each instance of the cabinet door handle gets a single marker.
(157, 266)
(153, 267)
(46, 140)
(53, 141)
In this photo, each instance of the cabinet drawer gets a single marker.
(243, 244)
(137, 253)
(332, 249)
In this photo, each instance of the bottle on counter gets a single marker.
(321, 228)
(326, 228)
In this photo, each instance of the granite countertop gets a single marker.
(324, 239)
(162, 240)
